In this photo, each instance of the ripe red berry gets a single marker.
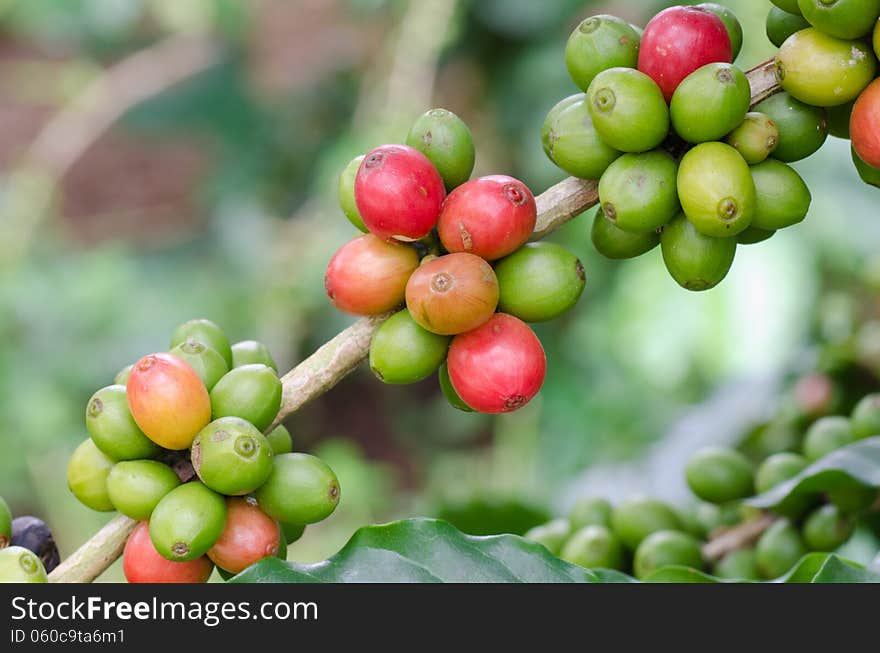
(498, 367)
(249, 536)
(398, 193)
(679, 40)
(368, 276)
(864, 125)
(490, 217)
(452, 294)
(141, 563)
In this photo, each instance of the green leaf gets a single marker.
(858, 462)
(426, 551)
(828, 568)
(677, 574)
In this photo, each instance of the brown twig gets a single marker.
(737, 537)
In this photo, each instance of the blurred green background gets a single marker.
(162, 160)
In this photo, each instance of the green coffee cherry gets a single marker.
(345, 193)
(778, 549)
(710, 102)
(826, 528)
(552, 535)
(404, 352)
(869, 175)
(843, 19)
(135, 487)
(231, 456)
(280, 440)
(778, 468)
(539, 282)
(731, 23)
(782, 24)
(865, 420)
(838, 120)
(633, 520)
(208, 364)
(594, 547)
(206, 332)
(113, 429)
(251, 392)
(449, 392)
(825, 435)
(573, 143)
(613, 242)
(791, 6)
(590, 511)
(702, 519)
(291, 532)
(249, 352)
(755, 138)
(599, 43)
(738, 565)
(551, 119)
(187, 522)
(719, 474)
(664, 548)
(87, 473)
(122, 375)
(18, 565)
(802, 128)
(638, 191)
(782, 197)
(445, 139)
(301, 489)
(695, 261)
(753, 235)
(628, 110)
(5, 523)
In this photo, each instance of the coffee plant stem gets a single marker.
(736, 538)
(92, 558)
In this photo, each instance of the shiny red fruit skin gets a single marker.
(141, 563)
(249, 536)
(864, 125)
(398, 193)
(490, 217)
(679, 40)
(368, 276)
(499, 366)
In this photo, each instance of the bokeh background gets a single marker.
(165, 159)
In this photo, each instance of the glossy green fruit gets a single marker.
(731, 23)
(280, 440)
(122, 375)
(231, 456)
(710, 102)
(838, 120)
(251, 392)
(599, 43)
(301, 489)
(822, 70)
(716, 190)
(778, 468)
(135, 487)
(719, 474)
(753, 235)
(695, 261)
(709, 517)
(826, 528)
(802, 128)
(590, 511)
(187, 522)
(113, 429)
(552, 535)
(633, 520)
(404, 352)
(778, 549)
(206, 332)
(664, 548)
(250, 352)
(782, 24)
(628, 110)
(208, 364)
(445, 139)
(87, 473)
(825, 435)
(865, 420)
(783, 198)
(852, 497)
(869, 175)
(449, 391)
(755, 138)
(345, 193)
(5, 523)
(291, 532)
(791, 6)
(613, 242)
(18, 565)
(738, 565)
(573, 143)
(594, 547)
(552, 117)
(637, 192)
(844, 19)
(539, 282)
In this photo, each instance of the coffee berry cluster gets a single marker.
(450, 257)
(183, 442)
(27, 548)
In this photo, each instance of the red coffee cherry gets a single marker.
(490, 217)
(250, 535)
(398, 193)
(498, 367)
(141, 563)
(864, 125)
